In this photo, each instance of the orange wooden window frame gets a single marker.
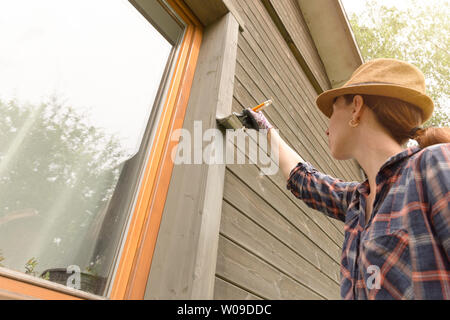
(134, 264)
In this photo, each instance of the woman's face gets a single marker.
(341, 137)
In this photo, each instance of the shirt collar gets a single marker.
(399, 156)
(363, 187)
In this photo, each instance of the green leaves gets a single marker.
(30, 265)
(57, 176)
(418, 34)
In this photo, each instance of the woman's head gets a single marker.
(353, 113)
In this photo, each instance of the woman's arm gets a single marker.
(288, 158)
(319, 191)
(426, 213)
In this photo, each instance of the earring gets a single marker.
(353, 124)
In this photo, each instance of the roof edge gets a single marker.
(334, 39)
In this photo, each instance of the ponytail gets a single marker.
(429, 136)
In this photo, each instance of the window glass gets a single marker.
(78, 81)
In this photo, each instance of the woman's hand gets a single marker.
(256, 120)
(288, 158)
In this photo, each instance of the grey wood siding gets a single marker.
(292, 19)
(271, 245)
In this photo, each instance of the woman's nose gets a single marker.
(327, 132)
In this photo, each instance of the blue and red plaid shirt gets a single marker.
(403, 252)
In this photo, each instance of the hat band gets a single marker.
(363, 83)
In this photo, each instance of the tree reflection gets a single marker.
(57, 176)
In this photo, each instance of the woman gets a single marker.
(397, 222)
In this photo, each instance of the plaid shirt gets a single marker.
(403, 252)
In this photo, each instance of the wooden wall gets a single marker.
(271, 245)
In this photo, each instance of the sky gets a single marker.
(109, 62)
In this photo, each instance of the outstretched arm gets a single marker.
(288, 158)
(319, 191)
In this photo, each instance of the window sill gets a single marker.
(9, 290)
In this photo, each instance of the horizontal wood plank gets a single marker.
(263, 244)
(240, 266)
(224, 290)
(286, 223)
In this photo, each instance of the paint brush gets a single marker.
(239, 120)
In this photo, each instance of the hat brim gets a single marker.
(325, 100)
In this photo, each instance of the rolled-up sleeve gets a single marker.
(320, 191)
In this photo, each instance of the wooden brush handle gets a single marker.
(262, 106)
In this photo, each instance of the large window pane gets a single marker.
(78, 79)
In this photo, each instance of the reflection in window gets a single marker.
(78, 80)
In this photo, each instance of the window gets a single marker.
(82, 85)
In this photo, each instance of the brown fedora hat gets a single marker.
(383, 77)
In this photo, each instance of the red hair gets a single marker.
(399, 118)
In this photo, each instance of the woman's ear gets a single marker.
(358, 103)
